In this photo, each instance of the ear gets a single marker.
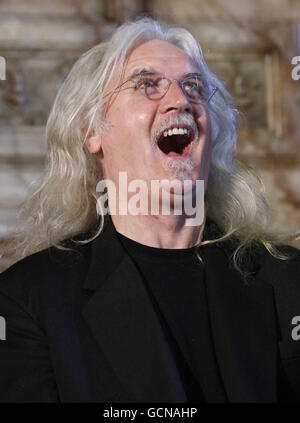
(93, 142)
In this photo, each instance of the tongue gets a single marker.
(173, 144)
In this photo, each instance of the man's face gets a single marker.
(135, 142)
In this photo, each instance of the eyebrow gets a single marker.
(139, 72)
(193, 74)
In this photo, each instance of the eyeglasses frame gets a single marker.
(179, 83)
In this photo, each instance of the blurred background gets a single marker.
(249, 44)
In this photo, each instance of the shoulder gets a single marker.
(256, 259)
(281, 272)
(257, 262)
(284, 277)
(39, 274)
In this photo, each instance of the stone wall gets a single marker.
(248, 43)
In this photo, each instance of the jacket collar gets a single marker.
(128, 331)
(106, 255)
(107, 252)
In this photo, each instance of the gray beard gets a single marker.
(182, 169)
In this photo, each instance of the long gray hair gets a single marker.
(65, 203)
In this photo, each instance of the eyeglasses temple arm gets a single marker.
(212, 94)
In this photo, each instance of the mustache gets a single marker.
(183, 119)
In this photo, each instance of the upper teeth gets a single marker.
(176, 131)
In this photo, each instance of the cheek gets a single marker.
(135, 124)
(202, 118)
(132, 124)
(138, 119)
(203, 121)
(129, 131)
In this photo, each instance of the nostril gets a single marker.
(187, 108)
(169, 109)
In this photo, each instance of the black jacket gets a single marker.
(80, 327)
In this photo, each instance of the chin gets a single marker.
(179, 169)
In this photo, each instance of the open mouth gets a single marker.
(176, 141)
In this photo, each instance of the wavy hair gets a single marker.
(65, 203)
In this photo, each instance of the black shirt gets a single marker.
(174, 279)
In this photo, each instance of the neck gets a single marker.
(159, 231)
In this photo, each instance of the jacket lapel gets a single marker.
(123, 322)
(243, 328)
(128, 331)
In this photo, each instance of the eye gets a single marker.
(193, 87)
(146, 83)
(148, 86)
(191, 84)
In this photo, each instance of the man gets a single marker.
(136, 305)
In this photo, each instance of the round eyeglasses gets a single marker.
(154, 86)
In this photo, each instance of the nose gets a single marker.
(175, 99)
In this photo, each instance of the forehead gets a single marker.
(161, 56)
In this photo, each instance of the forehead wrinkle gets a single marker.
(141, 69)
(139, 60)
(151, 70)
(153, 67)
